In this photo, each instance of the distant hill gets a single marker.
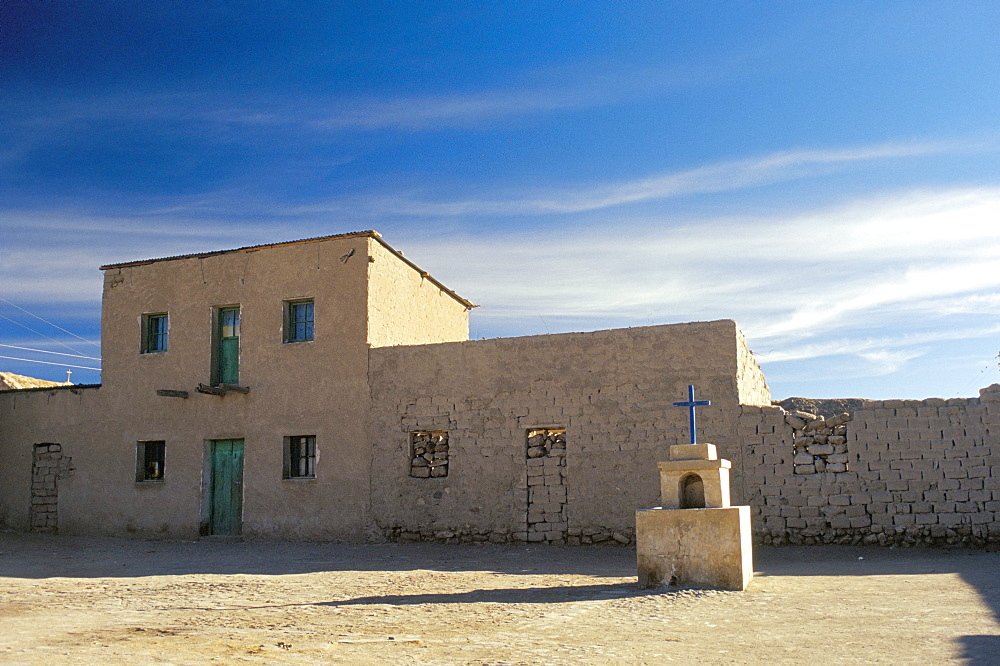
(8, 380)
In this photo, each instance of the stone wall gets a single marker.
(48, 466)
(917, 472)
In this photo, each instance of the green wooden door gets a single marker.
(226, 493)
(228, 353)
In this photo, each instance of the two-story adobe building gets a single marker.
(326, 389)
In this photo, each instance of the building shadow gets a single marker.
(512, 595)
(505, 595)
(36, 556)
(976, 567)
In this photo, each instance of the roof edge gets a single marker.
(424, 274)
(253, 248)
(249, 248)
(36, 389)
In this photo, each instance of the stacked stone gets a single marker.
(47, 466)
(592, 535)
(429, 454)
(460, 535)
(576, 536)
(547, 519)
(820, 444)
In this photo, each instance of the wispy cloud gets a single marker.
(539, 92)
(801, 286)
(723, 176)
(576, 87)
(447, 110)
(873, 347)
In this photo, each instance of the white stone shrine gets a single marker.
(695, 539)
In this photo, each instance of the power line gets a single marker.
(43, 351)
(89, 342)
(63, 365)
(28, 328)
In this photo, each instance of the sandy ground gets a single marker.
(111, 601)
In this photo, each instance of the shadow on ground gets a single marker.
(504, 595)
(33, 556)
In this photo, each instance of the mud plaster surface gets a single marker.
(110, 601)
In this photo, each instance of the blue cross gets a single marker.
(691, 404)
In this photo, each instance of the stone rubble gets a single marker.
(546, 469)
(819, 444)
(429, 454)
(47, 467)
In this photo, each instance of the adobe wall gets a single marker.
(612, 391)
(917, 472)
(64, 416)
(405, 307)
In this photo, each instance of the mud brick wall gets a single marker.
(612, 392)
(918, 472)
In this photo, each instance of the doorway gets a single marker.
(225, 487)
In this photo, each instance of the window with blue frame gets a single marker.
(154, 338)
(299, 318)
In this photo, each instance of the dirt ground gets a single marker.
(113, 601)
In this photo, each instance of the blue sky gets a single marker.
(825, 173)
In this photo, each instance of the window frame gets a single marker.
(149, 333)
(291, 323)
(293, 456)
(150, 452)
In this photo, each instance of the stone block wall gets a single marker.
(546, 470)
(917, 472)
(48, 466)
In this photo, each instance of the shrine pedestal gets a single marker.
(694, 547)
(696, 539)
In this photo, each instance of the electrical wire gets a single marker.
(30, 314)
(28, 328)
(43, 351)
(63, 365)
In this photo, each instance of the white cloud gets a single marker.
(883, 264)
(720, 177)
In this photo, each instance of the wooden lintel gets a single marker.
(222, 389)
(171, 393)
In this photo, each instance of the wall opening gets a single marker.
(48, 465)
(546, 469)
(429, 454)
(692, 492)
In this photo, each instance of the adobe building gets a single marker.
(326, 389)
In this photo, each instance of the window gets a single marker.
(227, 346)
(149, 460)
(429, 454)
(154, 333)
(300, 457)
(299, 321)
